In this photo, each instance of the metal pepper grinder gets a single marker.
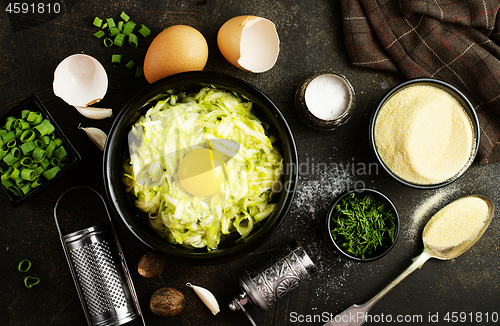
(273, 279)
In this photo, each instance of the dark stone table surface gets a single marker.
(32, 45)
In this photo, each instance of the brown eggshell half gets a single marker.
(177, 49)
(249, 42)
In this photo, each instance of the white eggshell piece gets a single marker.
(207, 297)
(260, 45)
(80, 80)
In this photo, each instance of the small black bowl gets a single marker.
(459, 96)
(387, 244)
(32, 103)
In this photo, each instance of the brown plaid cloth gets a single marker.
(457, 41)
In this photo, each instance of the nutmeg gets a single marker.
(166, 302)
(151, 265)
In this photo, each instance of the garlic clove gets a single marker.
(97, 136)
(94, 113)
(207, 297)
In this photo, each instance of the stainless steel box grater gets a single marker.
(100, 273)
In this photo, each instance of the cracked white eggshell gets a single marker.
(80, 80)
(249, 42)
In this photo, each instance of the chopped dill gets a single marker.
(362, 224)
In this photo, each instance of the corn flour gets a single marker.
(424, 135)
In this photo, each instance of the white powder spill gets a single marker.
(423, 212)
(336, 277)
(319, 185)
(318, 188)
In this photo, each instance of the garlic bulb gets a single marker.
(97, 136)
(94, 113)
(207, 297)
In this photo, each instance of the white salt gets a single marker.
(327, 96)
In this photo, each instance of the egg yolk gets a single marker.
(200, 172)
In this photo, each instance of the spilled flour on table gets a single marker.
(336, 278)
(317, 189)
(426, 209)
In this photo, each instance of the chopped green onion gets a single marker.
(19, 181)
(58, 141)
(45, 140)
(50, 148)
(111, 23)
(14, 173)
(26, 161)
(27, 135)
(60, 152)
(99, 34)
(34, 117)
(119, 39)
(25, 188)
(51, 173)
(28, 174)
(105, 25)
(21, 124)
(138, 72)
(128, 27)
(39, 169)
(11, 144)
(24, 262)
(144, 31)
(6, 137)
(120, 25)
(38, 143)
(10, 158)
(116, 58)
(39, 154)
(45, 163)
(11, 187)
(9, 123)
(113, 31)
(30, 281)
(36, 183)
(64, 161)
(133, 40)
(130, 65)
(3, 153)
(44, 128)
(97, 22)
(124, 16)
(108, 42)
(55, 161)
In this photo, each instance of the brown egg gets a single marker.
(178, 48)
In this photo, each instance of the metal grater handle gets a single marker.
(100, 273)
